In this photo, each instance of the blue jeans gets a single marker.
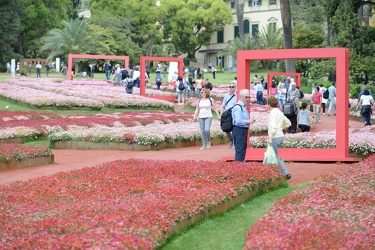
(276, 142)
(119, 77)
(240, 142)
(332, 107)
(259, 97)
(108, 74)
(281, 103)
(199, 93)
(205, 125)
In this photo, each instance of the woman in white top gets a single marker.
(276, 123)
(366, 101)
(324, 101)
(204, 114)
(198, 86)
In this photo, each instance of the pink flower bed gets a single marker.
(335, 212)
(19, 124)
(16, 151)
(119, 205)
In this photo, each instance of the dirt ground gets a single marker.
(76, 159)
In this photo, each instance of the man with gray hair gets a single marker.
(293, 95)
(241, 122)
(363, 88)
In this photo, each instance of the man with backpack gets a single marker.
(180, 91)
(228, 102)
(208, 85)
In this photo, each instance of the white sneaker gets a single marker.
(208, 145)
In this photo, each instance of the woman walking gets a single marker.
(203, 113)
(276, 123)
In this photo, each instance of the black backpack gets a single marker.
(289, 108)
(326, 94)
(226, 122)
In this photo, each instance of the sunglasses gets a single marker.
(247, 97)
(231, 87)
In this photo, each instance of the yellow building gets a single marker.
(257, 15)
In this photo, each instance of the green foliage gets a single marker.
(190, 24)
(305, 37)
(320, 68)
(74, 38)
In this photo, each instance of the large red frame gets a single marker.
(341, 152)
(143, 61)
(297, 77)
(86, 56)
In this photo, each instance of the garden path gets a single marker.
(77, 159)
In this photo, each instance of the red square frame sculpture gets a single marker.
(341, 152)
(86, 56)
(297, 77)
(143, 61)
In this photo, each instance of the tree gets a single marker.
(287, 29)
(11, 12)
(191, 24)
(74, 38)
(239, 14)
(40, 17)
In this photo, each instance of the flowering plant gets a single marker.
(130, 204)
(16, 152)
(335, 212)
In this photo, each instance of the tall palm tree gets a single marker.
(72, 39)
(268, 37)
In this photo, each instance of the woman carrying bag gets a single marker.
(276, 123)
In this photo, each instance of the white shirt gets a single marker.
(205, 108)
(366, 99)
(136, 74)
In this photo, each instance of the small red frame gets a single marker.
(86, 56)
(142, 69)
(341, 152)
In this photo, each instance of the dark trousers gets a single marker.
(366, 114)
(293, 127)
(304, 128)
(324, 107)
(240, 142)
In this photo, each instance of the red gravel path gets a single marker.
(76, 159)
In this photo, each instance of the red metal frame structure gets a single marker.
(341, 152)
(86, 56)
(297, 77)
(143, 61)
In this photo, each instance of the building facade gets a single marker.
(258, 14)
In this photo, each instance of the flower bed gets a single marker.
(28, 125)
(335, 212)
(16, 155)
(132, 204)
(361, 141)
(101, 92)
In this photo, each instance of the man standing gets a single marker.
(38, 67)
(241, 122)
(228, 102)
(192, 71)
(107, 69)
(293, 95)
(331, 98)
(213, 72)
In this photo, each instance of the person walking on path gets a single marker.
(38, 67)
(316, 101)
(324, 101)
(107, 69)
(241, 122)
(277, 122)
(331, 98)
(213, 72)
(203, 113)
(366, 101)
(228, 102)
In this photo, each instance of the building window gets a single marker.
(254, 30)
(246, 26)
(253, 3)
(232, 5)
(220, 36)
(272, 1)
(272, 26)
(236, 33)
